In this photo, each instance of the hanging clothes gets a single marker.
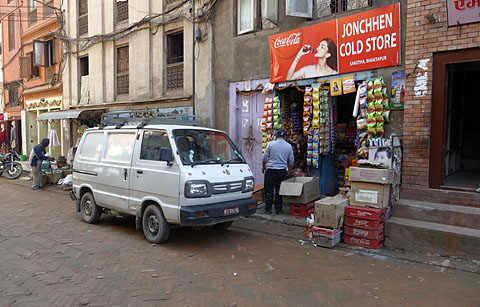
(53, 136)
(3, 137)
(13, 136)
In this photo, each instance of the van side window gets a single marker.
(92, 146)
(119, 147)
(152, 145)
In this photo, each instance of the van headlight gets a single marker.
(197, 188)
(248, 184)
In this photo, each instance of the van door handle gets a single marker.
(125, 172)
(139, 171)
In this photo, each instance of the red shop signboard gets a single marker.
(363, 41)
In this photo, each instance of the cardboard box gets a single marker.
(374, 175)
(300, 190)
(370, 195)
(329, 211)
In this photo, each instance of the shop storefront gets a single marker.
(34, 131)
(331, 85)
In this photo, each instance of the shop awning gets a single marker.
(60, 114)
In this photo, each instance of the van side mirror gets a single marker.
(166, 154)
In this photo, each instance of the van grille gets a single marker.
(227, 187)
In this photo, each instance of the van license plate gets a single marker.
(231, 210)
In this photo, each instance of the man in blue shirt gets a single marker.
(37, 156)
(277, 159)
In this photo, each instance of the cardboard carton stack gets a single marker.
(329, 213)
(300, 194)
(369, 200)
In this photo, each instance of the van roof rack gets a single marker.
(147, 116)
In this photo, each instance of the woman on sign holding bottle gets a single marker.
(326, 54)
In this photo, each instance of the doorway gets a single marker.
(462, 157)
(454, 155)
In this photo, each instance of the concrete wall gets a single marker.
(147, 58)
(423, 41)
(247, 57)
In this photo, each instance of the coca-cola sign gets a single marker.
(292, 39)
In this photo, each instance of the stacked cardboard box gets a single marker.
(300, 194)
(329, 214)
(370, 198)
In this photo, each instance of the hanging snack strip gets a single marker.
(267, 122)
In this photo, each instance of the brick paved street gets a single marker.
(49, 257)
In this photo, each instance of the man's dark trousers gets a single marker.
(273, 178)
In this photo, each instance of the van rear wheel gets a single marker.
(155, 228)
(223, 226)
(90, 211)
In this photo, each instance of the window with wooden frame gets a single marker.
(323, 8)
(82, 17)
(11, 33)
(83, 66)
(122, 70)
(175, 60)
(256, 15)
(34, 71)
(12, 95)
(47, 8)
(32, 12)
(122, 10)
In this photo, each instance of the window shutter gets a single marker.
(300, 8)
(246, 16)
(25, 67)
(39, 53)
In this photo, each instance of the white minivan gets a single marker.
(166, 175)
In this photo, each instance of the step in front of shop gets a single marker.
(462, 216)
(448, 197)
(434, 238)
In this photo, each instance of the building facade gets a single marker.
(441, 131)
(134, 54)
(31, 61)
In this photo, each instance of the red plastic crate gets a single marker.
(302, 206)
(363, 223)
(323, 231)
(364, 233)
(369, 243)
(302, 213)
(365, 213)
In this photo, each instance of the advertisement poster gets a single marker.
(462, 12)
(398, 91)
(349, 85)
(362, 41)
(336, 87)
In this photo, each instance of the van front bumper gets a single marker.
(204, 215)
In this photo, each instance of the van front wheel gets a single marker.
(155, 228)
(90, 211)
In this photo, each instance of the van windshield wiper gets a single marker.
(231, 160)
(204, 161)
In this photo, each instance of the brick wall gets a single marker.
(422, 41)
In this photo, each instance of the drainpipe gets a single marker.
(193, 56)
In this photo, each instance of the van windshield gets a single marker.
(205, 147)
